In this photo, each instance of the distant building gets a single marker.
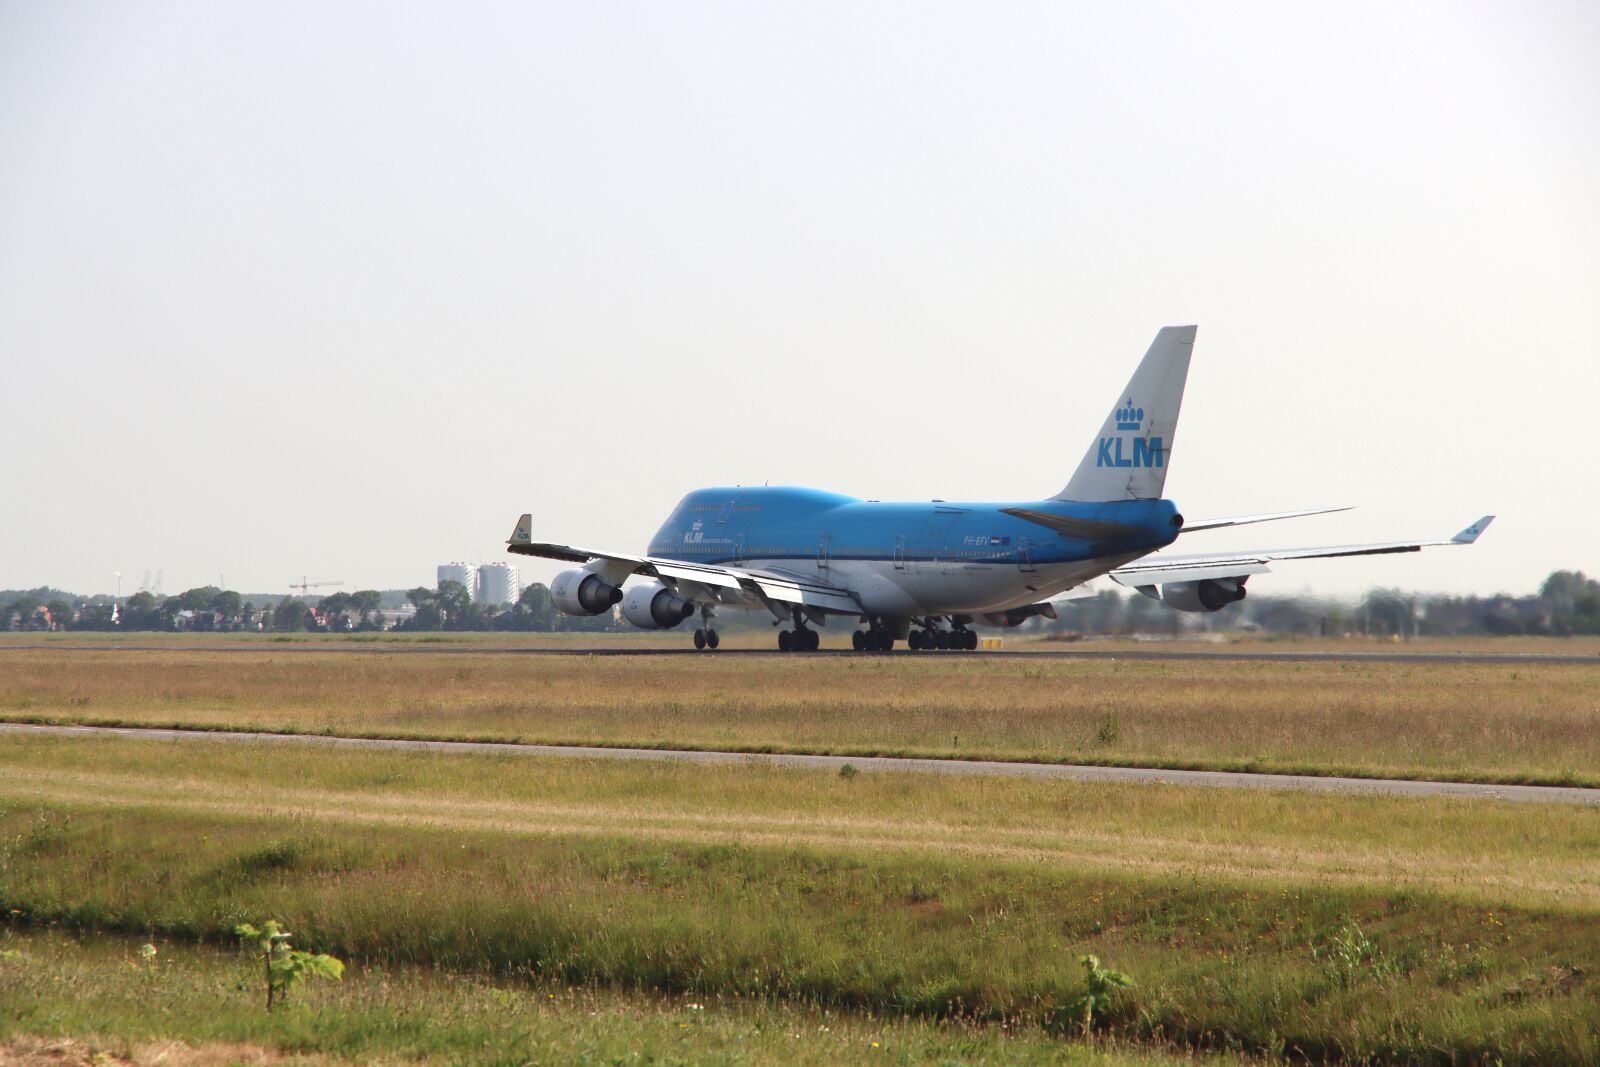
(497, 583)
(465, 573)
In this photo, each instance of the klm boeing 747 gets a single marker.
(925, 573)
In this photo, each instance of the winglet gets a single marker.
(523, 534)
(1471, 533)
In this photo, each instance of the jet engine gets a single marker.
(583, 593)
(1018, 616)
(652, 606)
(1208, 594)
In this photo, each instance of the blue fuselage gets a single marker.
(776, 525)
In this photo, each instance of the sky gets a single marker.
(340, 289)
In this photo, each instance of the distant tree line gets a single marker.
(1568, 603)
(205, 608)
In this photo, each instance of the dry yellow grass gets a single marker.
(1486, 851)
(1515, 722)
(72, 1052)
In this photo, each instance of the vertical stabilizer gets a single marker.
(1128, 459)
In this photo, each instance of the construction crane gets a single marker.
(303, 585)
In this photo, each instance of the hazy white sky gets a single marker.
(342, 288)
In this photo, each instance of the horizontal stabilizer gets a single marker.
(1246, 520)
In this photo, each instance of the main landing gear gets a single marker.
(801, 639)
(934, 638)
(705, 637)
(873, 639)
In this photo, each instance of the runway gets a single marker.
(1537, 794)
(1509, 659)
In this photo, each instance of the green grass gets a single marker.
(1383, 928)
(110, 1001)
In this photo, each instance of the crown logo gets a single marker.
(1129, 417)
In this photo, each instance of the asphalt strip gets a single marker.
(1535, 794)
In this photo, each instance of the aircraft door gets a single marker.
(900, 552)
(822, 553)
(1024, 561)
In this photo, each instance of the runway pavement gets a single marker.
(1066, 772)
(1221, 655)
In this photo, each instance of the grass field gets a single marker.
(502, 908)
(1517, 722)
(1358, 927)
(67, 1001)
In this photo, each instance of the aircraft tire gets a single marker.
(858, 640)
(969, 640)
(813, 640)
(914, 640)
(785, 642)
(712, 639)
(699, 639)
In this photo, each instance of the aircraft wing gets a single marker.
(762, 585)
(1156, 569)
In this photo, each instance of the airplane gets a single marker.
(926, 572)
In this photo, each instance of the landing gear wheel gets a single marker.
(712, 639)
(914, 640)
(813, 640)
(969, 640)
(941, 640)
(699, 639)
(858, 640)
(785, 641)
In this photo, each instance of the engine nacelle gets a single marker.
(652, 606)
(583, 593)
(1208, 594)
(1018, 616)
